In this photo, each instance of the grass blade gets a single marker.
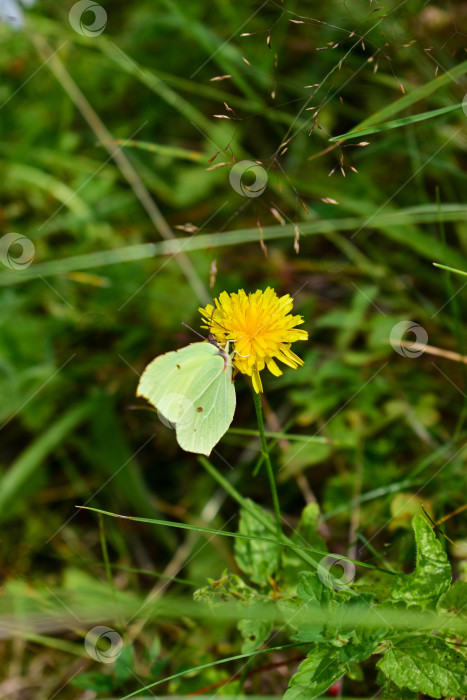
(398, 221)
(396, 123)
(225, 533)
(416, 95)
(451, 269)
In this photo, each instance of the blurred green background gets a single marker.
(108, 144)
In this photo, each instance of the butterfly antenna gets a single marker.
(217, 322)
(192, 329)
(237, 353)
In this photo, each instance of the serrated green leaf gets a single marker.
(291, 610)
(432, 576)
(314, 592)
(362, 641)
(312, 589)
(390, 691)
(353, 652)
(254, 633)
(456, 598)
(320, 670)
(305, 534)
(256, 559)
(426, 664)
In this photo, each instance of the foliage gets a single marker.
(112, 167)
(344, 632)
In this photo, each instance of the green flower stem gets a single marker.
(267, 461)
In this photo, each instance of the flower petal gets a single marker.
(260, 327)
(257, 385)
(273, 368)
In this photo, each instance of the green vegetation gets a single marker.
(119, 217)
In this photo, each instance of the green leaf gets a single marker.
(389, 690)
(415, 95)
(291, 609)
(377, 128)
(426, 664)
(33, 458)
(451, 269)
(93, 681)
(123, 666)
(363, 641)
(254, 633)
(432, 576)
(227, 588)
(314, 593)
(353, 652)
(312, 589)
(255, 558)
(425, 213)
(300, 457)
(456, 598)
(305, 534)
(309, 521)
(320, 670)
(355, 673)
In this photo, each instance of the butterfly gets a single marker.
(192, 388)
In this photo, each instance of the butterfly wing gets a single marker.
(214, 407)
(165, 380)
(193, 389)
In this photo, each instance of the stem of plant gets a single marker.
(267, 461)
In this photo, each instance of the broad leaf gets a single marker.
(313, 593)
(257, 559)
(456, 598)
(356, 651)
(312, 590)
(426, 664)
(124, 664)
(432, 576)
(320, 670)
(345, 606)
(254, 633)
(390, 691)
(362, 640)
(305, 535)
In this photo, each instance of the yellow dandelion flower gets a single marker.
(261, 328)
